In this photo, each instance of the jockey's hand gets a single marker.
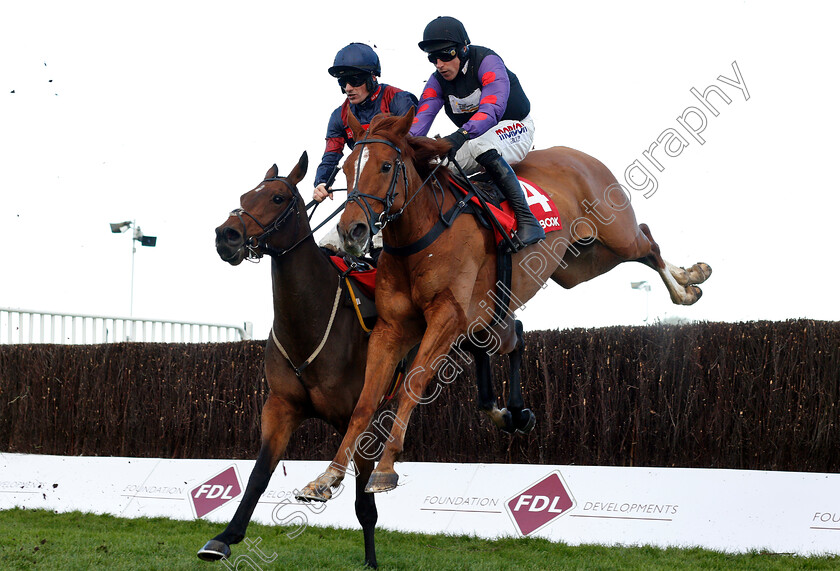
(457, 140)
(321, 192)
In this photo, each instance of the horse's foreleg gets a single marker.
(484, 384)
(384, 352)
(523, 420)
(515, 417)
(444, 321)
(486, 394)
(279, 420)
(366, 508)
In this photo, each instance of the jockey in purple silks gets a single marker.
(485, 100)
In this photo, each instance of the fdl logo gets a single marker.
(215, 492)
(540, 503)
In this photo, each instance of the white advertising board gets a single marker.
(729, 510)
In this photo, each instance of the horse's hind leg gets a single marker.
(681, 282)
(584, 261)
(279, 419)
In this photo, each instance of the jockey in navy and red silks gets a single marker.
(357, 68)
(485, 100)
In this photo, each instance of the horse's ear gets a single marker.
(355, 126)
(272, 172)
(405, 122)
(299, 171)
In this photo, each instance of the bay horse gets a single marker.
(316, 354)
(443, 291)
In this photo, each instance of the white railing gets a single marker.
(26, 326)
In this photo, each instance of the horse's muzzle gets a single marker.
(230, 245)
(356, 239)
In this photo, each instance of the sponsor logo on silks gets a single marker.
(511, 131)
(541, 503)
(215, 492)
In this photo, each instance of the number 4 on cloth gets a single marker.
(534, 196)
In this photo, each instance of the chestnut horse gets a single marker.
(442, 293)
(314, 324)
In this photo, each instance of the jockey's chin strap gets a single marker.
(256, 246)
(320, 346)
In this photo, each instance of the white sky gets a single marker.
(165, 112)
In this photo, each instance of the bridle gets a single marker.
(256, 246)
(375, 224)
(361, 199)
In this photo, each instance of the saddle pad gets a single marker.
(541, 205)
(366, 279)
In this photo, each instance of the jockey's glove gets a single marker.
(457, 140)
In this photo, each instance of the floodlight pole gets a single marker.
(136, 236)
(133, 251)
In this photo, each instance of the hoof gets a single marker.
(320, 489)
(214, 550)
(692, 295)
(700, 272)
(382, 482)
(314, 493)
(507, 424)
(526, 422)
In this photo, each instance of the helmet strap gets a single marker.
(371, 84)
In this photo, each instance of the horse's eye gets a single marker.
(277, 199)
(386, 167)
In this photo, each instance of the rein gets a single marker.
(445, 220)
(261, 241)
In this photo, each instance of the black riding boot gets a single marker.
(528, 230)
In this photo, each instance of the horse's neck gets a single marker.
(303, 282)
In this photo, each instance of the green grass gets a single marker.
(38, 539)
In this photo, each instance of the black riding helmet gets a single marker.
(356, 59)
(443, 32)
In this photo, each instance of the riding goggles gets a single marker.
(444, 55)
(354, 80)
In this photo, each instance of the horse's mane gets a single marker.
(422, 151)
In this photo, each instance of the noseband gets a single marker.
(257, 245)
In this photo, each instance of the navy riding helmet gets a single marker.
(443, 32)
(356, 59)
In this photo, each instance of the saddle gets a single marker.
(494, 211)
(360, 279)
(488, 205)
